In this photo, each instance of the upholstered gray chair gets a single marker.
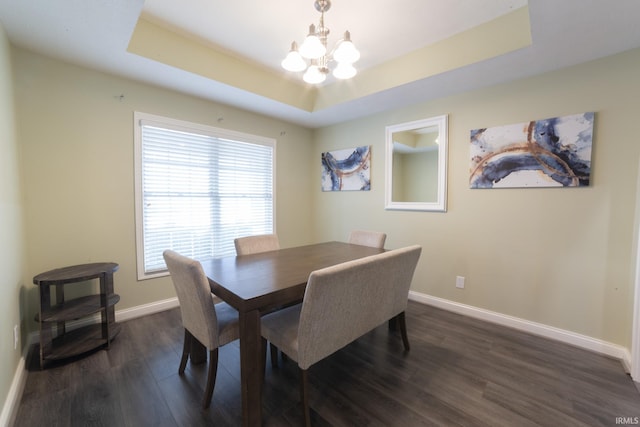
(256, 244)
(214, 325)
(253, 245)
(374, 239)
(342, 303)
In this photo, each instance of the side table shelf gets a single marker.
(82, 339)
(78, 341)
(77, 308)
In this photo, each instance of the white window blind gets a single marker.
(198, 188)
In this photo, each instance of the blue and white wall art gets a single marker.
(347, 170)
(552, 152)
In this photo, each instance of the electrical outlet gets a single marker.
(460, 282)
(16, 334)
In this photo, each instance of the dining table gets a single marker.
(260, 283)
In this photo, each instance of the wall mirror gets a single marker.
(416, 165)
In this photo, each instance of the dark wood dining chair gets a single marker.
(341, 303)
(213, 325)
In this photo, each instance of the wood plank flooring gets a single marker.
(459, 372)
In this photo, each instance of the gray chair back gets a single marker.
(194, 293)
(374, 239)
(256, 244)
(345, 301)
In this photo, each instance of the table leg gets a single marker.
(250, 369)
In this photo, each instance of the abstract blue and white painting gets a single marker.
(552, 152)
(347, 170)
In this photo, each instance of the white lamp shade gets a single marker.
(312, 47)
(294, 61)
(344, 70)
(346, 52)
(313, 75)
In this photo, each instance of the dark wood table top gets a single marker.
(260, 281)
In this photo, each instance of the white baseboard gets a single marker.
(10, 407)
(145, 310)
(572, 338)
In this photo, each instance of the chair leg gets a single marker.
(211, 378)
(186, 349)
(304, 396)
(393, 324)
(403, 330)
(274, 355)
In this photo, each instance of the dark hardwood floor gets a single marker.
(459, 372)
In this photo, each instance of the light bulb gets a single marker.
(313, 75)
(294, 61)
(346, 50)
(344, 70)
(312, 47)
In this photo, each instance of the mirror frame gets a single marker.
(440, 205)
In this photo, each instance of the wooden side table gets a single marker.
(66, 344)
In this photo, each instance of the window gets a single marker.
(197, 188)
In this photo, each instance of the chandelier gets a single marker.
(314, 57)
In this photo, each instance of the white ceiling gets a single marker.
(96, 33)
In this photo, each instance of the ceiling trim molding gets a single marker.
(502, 35)
(153, 41)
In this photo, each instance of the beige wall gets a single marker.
(76, 141)
(560, 257)
(11, 229)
